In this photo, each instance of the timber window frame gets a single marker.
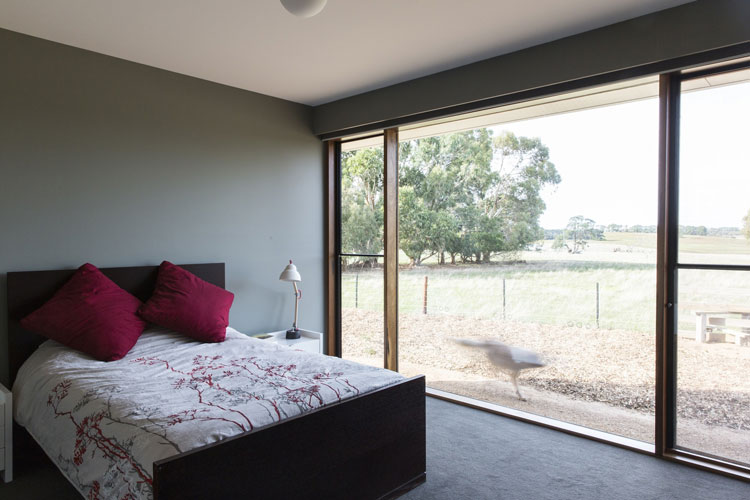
(334, 252)
(668, 267)
(671, 74)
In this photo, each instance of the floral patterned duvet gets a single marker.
(105, 423)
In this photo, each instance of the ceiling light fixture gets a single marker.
(304, 8)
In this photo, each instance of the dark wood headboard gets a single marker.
(27, 291)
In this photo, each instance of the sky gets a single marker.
(608, 158)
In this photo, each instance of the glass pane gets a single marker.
(715, 171)
(362, 197)
(533, 243)
(362, 321)
(713, 363)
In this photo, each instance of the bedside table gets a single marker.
(6, 434)
(307, 341)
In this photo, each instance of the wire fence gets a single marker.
(597, 298)
(563, 300)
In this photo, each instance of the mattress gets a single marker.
(105, 423)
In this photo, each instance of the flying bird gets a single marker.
(510, 359)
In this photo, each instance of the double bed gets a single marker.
(243, 418)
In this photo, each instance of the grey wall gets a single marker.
(685, 30)
(121, 164)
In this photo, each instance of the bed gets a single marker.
(371, 445)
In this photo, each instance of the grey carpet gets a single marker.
(476, 455)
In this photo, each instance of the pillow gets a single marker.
(185, 303)
(90, 313)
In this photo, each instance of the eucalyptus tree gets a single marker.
(579, 231)
(440, 172)
(362, 202)
(478, 195)
(467, 194)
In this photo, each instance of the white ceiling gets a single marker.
(351, 47)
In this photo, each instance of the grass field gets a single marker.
(555, 287)
(692, 249)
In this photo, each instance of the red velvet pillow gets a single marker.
(90, 313)
(185, 303)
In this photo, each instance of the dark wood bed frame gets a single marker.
(367, 447)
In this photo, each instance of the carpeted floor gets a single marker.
(476, 455)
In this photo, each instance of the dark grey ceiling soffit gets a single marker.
(658, 42)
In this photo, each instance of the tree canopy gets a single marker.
(362, 201)
(578, 231)
(467, 194)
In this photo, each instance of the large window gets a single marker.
(580, 260)
(528, 250)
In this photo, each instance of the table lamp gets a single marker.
(290, 274)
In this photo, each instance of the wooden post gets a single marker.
(356, 291)
(332, 337)
(597, 304)
(424, 301)
(503, 299)
(390, 237)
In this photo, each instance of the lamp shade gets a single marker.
(290, 273)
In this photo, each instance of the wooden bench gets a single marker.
(710, 323)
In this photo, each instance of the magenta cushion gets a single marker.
(185, 303)
(90, 313)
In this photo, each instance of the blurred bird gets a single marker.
(508, 358)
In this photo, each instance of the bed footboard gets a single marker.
(368, 447)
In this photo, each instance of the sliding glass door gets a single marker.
(713, 266)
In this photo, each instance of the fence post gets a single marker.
(356, 291)
(503, 299)
(597, 304)
(424, 302)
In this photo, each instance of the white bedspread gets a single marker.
(105, 423)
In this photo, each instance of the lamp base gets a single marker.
(292, 333)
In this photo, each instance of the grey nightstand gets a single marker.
(308, 340)
(6, 434)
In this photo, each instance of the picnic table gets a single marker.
(730, 320)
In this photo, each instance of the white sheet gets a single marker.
(105, 423)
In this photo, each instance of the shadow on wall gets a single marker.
(277, 315)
